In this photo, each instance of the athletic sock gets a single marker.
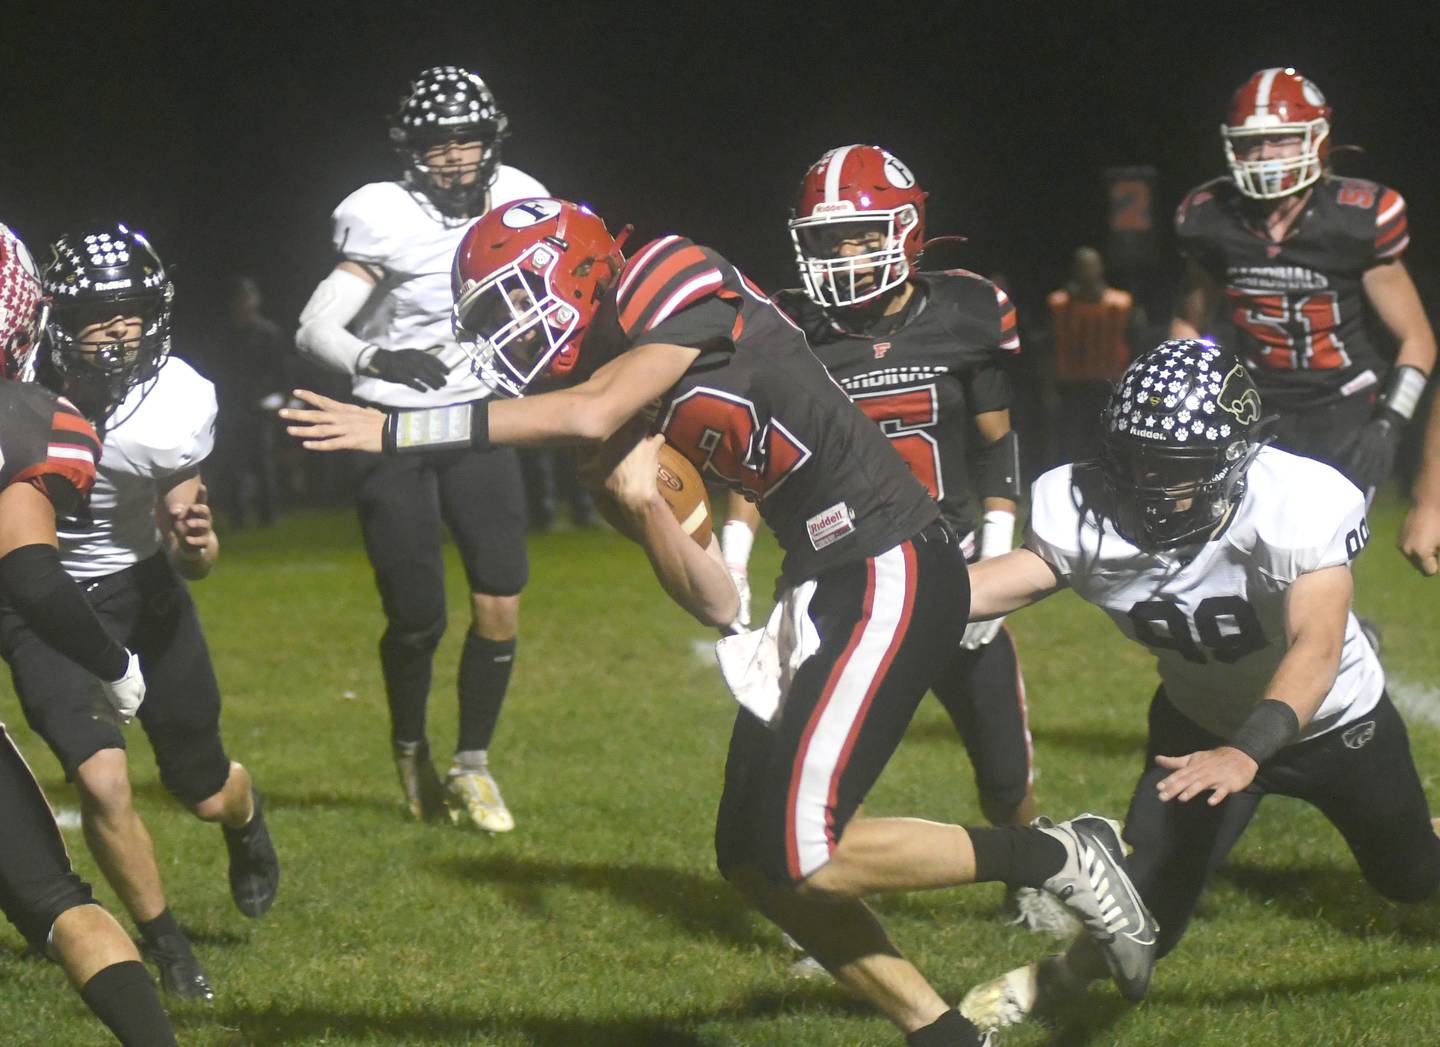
(477, 760)
(124, 997)
(406, 665)
(1015, 855)
(951, 1029)
(153, 930)
(485, 667)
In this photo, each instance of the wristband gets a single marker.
(1402, 392)
(736, 540)
(997, 533)
(1270, 727)
(450, 428)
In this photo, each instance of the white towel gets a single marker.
(760, 664)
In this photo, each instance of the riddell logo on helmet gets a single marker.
(110, 285)
(838, 207)
(1244, 404)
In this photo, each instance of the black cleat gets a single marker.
(180, 973)
(254, 868)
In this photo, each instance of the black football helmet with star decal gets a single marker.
(445, 104)
(1180, 432)
(96, 273)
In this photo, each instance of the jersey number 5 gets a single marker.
(1228, 628)
(904, 417)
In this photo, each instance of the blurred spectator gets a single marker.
(549, 477)
(248, 369)
(1094, 331)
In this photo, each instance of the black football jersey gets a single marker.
(923, 382)
(757, 413)
(45, 441)
(1294, 310)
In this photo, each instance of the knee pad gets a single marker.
(37, 915)
(192, 768)
(405, 637)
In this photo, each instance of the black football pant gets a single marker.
(148, 608)
(37, 883)
(887, 625)
(984, 694)
(405, 502)
(1361, 777)
(1325, 432)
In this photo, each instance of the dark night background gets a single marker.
(230, 131)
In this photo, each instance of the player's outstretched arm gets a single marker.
(1392, 293)
(586, 413)
(695, 578)
(1317, 606)
(1004, 584)
(1420, 533)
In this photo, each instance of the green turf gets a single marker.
(600, 921)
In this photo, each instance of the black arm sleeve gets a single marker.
(52, 605)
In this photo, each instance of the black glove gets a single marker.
(413, 367)
(1372, 455)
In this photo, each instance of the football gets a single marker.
(680, 485)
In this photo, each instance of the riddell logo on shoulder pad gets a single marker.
(830, 525)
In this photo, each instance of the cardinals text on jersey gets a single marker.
(1216, 622)
(1293, 309)
(395, 227)
(165, 428)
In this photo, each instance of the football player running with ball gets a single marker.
(1230, 560)
(677, 345)
(107, 350)
(47, 468)
(383, 315)
(1296, 253)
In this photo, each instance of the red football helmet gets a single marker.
(527, 280)
(863, 196)
(1276, 104)
(23, 306)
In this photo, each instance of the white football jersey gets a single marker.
(393, 226)
(164, 428)
(1216, 623)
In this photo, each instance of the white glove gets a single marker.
(741, 578)
(126, 693)
(997, 534)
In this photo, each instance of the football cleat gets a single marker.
(1094, 885)
(1042, 913)
(180, 973)
(1003, 1001)
(424, 795)
(254, 867)
(473, 793)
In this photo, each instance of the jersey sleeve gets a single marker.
(1195, 227)
(1318, 519)
(1392, 228)
(360, 227)
(674, 292)
(178, 433)
(1053, 531)
(67, 473)
(1008, 339)
(513, 184)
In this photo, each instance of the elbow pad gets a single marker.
(323, 336)
(997, 468)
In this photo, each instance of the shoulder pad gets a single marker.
(364, 226)
(1304, 515)
(663, 277)
(1199, 203)
(513, 184)
(173, 427)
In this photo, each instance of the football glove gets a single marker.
(1372, 455)
(126, 693)
(741, 578)
(412, 367)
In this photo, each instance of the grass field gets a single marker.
(601, 921)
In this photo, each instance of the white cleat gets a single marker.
(1095, 886)
(1003, 1001)
(473, 794)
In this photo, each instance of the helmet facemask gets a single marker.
(835, 280)
(1275, 177)
(100, 374)
(457, 190)
(512, 325)
(1163, 497)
